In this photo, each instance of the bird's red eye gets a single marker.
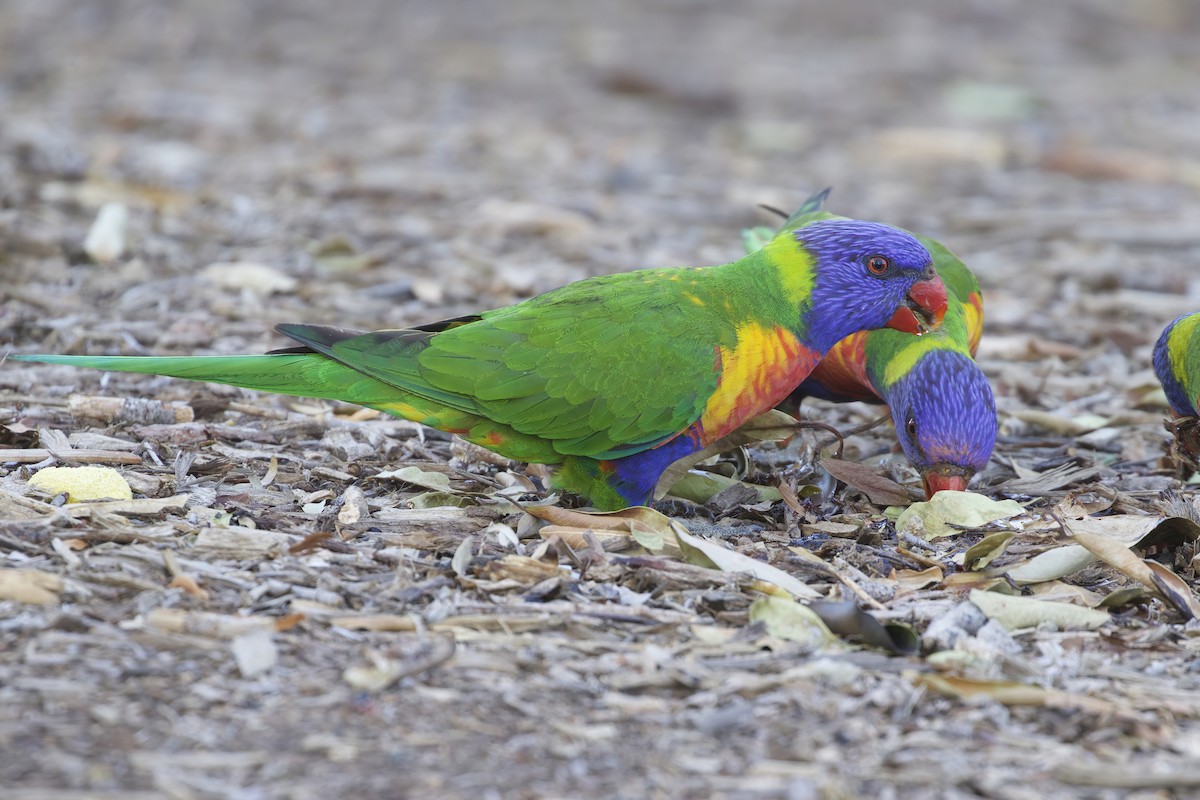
(878, 265)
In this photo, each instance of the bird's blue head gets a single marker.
(945, 418)
(868, 275)
(1177, 395)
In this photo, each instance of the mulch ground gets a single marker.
(279, 613)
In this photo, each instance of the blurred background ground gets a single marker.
(403, 162)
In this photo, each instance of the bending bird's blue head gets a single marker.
(945, 418)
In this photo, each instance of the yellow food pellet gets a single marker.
(83, 483)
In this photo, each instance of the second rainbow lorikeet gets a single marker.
(941, 402)
(1177, 365)
(612, 378)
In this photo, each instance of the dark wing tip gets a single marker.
(316, 336)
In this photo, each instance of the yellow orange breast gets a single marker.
(756, 374)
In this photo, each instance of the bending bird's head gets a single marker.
(869, 275)
(945, 418)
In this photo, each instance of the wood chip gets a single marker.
(37, 455)
(30, 586)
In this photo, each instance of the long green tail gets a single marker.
(302, 374)
(316, 375)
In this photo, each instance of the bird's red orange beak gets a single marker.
(935, 482)
(924, 307)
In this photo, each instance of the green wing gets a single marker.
(602, 368)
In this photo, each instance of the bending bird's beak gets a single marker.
(942, 481)
(924, 307)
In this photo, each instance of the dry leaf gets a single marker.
(1173, 589)
(1013, 694)
(436, 481)
(1150, 574)
(639, 525)
(1015, 612)
(986, 550)
(700, 487)
(1053, 564)
(707, 553)
(523, 570)
(842, 530)
(1057, 590)
(948, 512)
(880, 490)
(439, 500)
(911, 580)
(611, 541)
(1129, 530)
(600, 520)
(653, 539)
(787, 619)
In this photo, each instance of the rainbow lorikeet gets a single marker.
(1177, 364)
(615, 377)
(941, 401)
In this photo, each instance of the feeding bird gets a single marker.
(615, 377)
(1177, 364)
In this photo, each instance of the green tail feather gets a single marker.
(315, 375)
(302, 375)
